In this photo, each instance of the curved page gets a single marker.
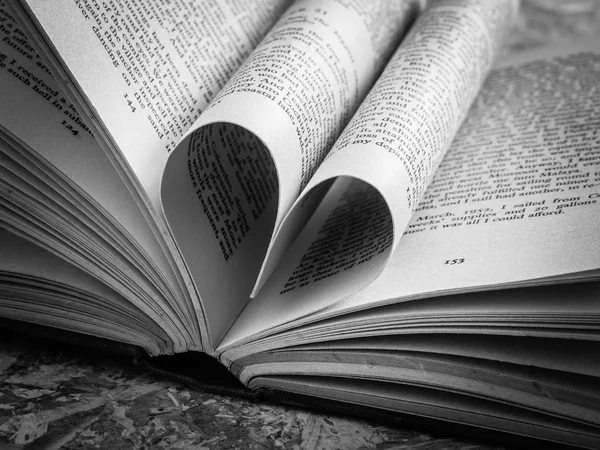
(141, 72)
(235, 175)
(394, 143)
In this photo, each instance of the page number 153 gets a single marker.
(452, 262)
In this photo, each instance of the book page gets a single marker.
(58, 169)
(236, 174)
(141, 73)
(514, 202)
(516, 198)
(60, 137)
(401, 132)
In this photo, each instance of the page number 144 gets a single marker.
(452, 262)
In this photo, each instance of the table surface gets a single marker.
(64, 397)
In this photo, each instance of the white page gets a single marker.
(145, 70)
(141, 73)
(403, 128)
(501, 253)
(527, 226)
(399, 161)
(282, 110)
(36, 116)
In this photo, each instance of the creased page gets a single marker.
(393, 145)
(238, 171)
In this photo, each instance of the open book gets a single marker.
(338, 199)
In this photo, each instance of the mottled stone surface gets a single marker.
(54, 396)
